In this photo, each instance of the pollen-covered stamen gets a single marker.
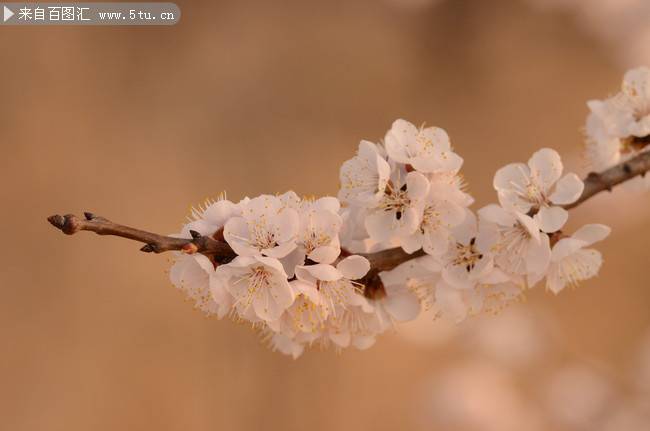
(430, 219)
(315, 239)
(574, 270)
(257, 282)
(261, 235)
(396, 200)
(511, 247)
(531, 192)
(467, 255)
(306, 316)
(336, 294)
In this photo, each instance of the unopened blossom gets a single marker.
(399, 211)
(364, 177)
(427, 150)
(571, 261)
(515, 240)
(266, 227)
(258, 285)
(539, 187)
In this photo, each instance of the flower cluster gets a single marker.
(310, 271)
(618, 128)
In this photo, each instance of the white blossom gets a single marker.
(399, 211)
(258, 285)
(515, 240)
(266, 227)
(539, 186)
(571, 262)
(365, 176)
(426, 149)
(618, 128)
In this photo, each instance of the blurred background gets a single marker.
(138, 124)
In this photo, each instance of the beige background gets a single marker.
(137, 124)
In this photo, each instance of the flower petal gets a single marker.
(545, 167)
(403, 307)
(417, 185)
(354, 267)
(551, 219)
(567, 190)
(592, 233)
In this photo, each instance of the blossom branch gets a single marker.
(220, 252)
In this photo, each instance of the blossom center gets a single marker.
(467, 255)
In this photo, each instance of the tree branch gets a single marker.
(220, 252)
(598, 182)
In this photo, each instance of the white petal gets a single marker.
(467, 230)
(512, 176)
(531, 224)
(450, 301)
(403, 307)
(219, 212)
(328, 203)
(286, 224)
(325, 254)
(436, 242)
(538, 256)
(565, 247)
(291, 260)
(458, 277)
(322, 272)
(545, 167)
(496, 214)
(363, 342)
(236, 235)
(411, 243)
(567, 190)
(341, 339)
(397, 138)
(551, 219)
(592, 233)
(379, 225)
(417, 185)
(354, 267)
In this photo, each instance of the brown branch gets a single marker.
(598, 182)
(220, 252)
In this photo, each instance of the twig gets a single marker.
(220, 252)
(606, 180)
